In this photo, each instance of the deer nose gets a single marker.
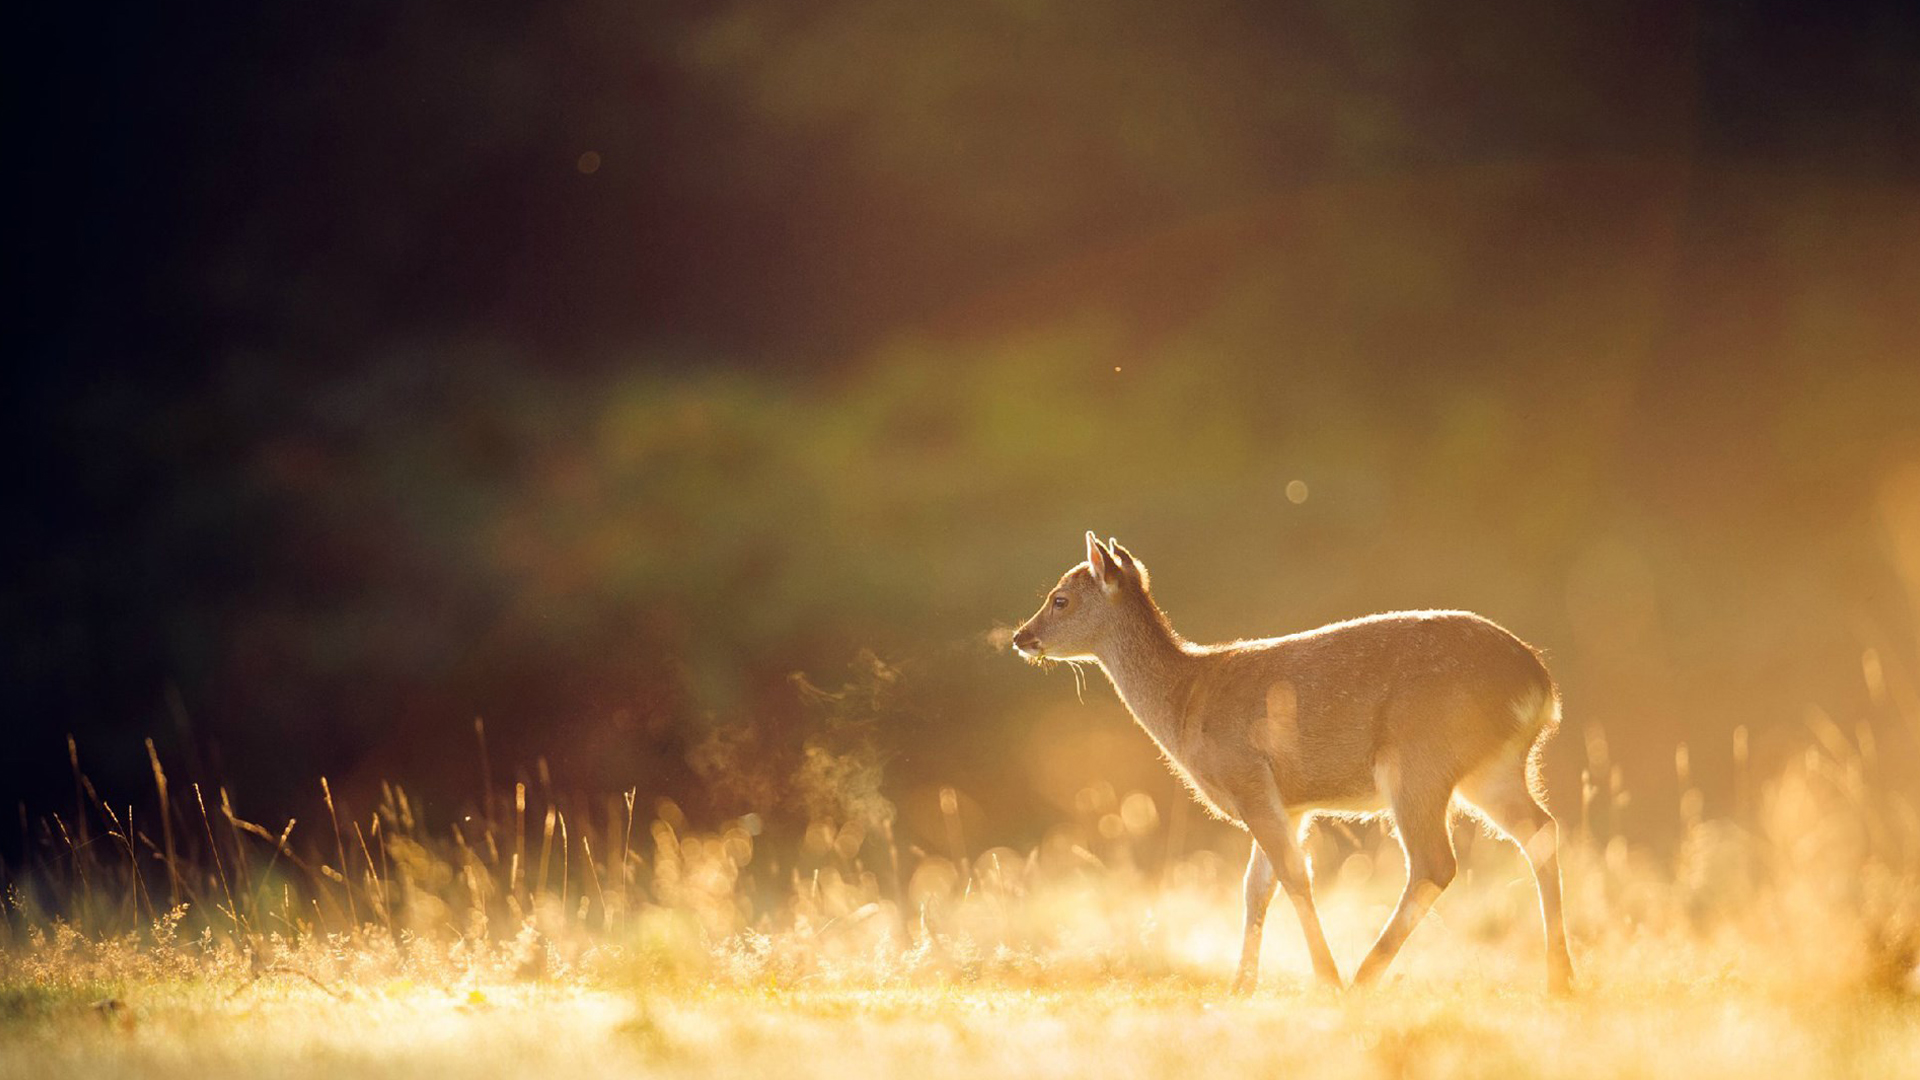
(1026, 641)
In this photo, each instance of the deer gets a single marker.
(1410, 715)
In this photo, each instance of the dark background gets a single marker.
(595, 367)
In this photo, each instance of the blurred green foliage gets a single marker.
(1691, 515)
(1591, 320)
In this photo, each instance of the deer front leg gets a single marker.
(1259, 894)
(1273, 837)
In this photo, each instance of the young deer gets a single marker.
(1407, 713)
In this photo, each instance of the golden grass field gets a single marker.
(1780, 942)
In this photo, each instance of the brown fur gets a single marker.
(1404, 713)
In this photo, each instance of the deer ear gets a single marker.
(1106, 571)
(1127, 562)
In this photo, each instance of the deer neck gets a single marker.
(1152, 670)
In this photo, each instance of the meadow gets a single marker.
(695, 392)
(547, 935)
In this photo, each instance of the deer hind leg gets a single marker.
(1420, 819)
(1275, 846)
(1259, 894)
(1500, 792)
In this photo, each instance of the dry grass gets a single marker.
(1121, 1026)
(586, 941)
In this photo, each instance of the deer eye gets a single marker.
(1060, 600)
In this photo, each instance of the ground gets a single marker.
(1656, 1021)
(1782, 945)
